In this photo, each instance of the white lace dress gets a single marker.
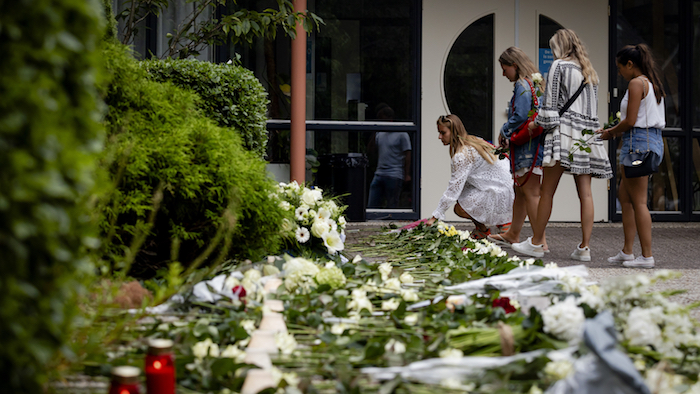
(485, 191)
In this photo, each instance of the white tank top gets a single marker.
(651, 113)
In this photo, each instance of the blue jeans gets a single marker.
(384, 189)
(637, 138)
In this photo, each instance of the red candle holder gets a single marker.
(160, 367)
(125, 380)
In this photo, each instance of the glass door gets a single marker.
(672, 30)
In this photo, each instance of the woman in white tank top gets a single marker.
(642, 119)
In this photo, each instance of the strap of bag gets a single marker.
(534, 97)
(573, 98)
(647, 113)
(512, 163)
(529, 173)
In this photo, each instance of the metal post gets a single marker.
(298, 115)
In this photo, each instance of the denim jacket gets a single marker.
(522, 155)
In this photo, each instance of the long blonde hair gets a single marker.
(515, 56)
(565, 44)
(459, 138)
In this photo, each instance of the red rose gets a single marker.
(504, 302)
(239, 291)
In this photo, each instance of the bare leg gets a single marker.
(519, 215)
(637, 189)
(550, 181)
(585, 196)
(629, 224)
(462, 213)
(527, 198)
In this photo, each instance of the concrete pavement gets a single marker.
(675, 246)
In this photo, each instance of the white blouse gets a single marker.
(484, 190)
(651, 113)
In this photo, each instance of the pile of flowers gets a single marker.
(318, 222)
(369, 323)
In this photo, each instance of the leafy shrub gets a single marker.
(231, 95)
(49, 140)
(160, 141)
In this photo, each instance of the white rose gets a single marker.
(214, 350)
(385, 270)
(406, 278)
(338, 328)
(393, 284)
(411, 319)
(409, 295)
(248, 326)
(536, 78)
(564, 320)
(395, 346)
(320, 227)
(232, 351)
(201, 349)
(285, 342)
(390, 304)
(643, 326)
(451, 353)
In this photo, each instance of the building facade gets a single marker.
(423, 59)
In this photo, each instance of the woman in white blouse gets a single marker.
(481, 186)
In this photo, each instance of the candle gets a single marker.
(125, 380)
(160, 367)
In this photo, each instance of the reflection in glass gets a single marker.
(365, 155)
(655, 23)
(362, 56)
(469, 77)
(695, 109)
(695, 178)
(664, 185)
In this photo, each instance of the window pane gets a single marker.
(351, 160)
(664, 185)
(469, 77)
(655, 23)
(696, 60)
(695, 179)
(362, 57)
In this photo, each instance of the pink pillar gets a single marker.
(298, 123)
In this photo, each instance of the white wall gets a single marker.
(444, 20)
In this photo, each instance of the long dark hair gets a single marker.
(641, 56)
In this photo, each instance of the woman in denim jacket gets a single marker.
(519, 69)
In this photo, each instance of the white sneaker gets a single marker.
(526, 247)
(640, 262)
(581, 254)
(621, 257)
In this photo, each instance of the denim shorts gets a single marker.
(637, 138)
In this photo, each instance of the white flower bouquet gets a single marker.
(318, 225)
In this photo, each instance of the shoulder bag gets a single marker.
(525, 136)
(522, 134)
(638, 164)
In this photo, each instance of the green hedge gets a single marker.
(158, 136)
(231, 95)
(49, 139)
